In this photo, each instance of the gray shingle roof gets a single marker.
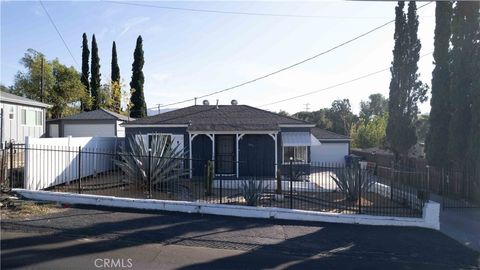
(322, 134)
(11, 98)
(223, 118)
(100, 114)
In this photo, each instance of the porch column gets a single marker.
(190, 139)
(237, 162)
(276, 153)
(274, 137)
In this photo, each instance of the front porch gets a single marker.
(235, 155)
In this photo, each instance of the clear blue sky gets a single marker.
(188, 54)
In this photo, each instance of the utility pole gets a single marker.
(307, 108)
(158, 105)
(41, 80)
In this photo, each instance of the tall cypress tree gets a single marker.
(473, 22)
(85, 68)
(405, 88)
(115, 69)
(461, 82)
(437, 138)
(139, 108)
(115, 81)
(95, 79)
(394, 110)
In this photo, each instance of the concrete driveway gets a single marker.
(83, 238)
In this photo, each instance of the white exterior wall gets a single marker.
(89, 130)
(333, 152)
(13, 128)
(120, 129)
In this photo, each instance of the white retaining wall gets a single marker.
(430, 219)
(53, 161)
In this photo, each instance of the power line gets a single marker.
(58, 32)
(236, 12)
(290, 66)
(333, 86)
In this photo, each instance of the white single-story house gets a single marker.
(333, 147)
(20, 117)
(101, 123)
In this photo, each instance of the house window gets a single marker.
(38, 118)
(147, 138)
(31, 117)
(298, 153)
(11, 113)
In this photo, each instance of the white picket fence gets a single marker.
(53, 161)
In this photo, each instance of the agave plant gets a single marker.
(251, 191)
(166, 161)
(348, 180)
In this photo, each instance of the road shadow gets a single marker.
(266, 243)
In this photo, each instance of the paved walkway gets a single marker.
(76, 238)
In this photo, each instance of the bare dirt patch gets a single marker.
(14, 208)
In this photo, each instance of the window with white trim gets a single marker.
(11, 113)
(31, 117)
(298, 153)
(147, 138)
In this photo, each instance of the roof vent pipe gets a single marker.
(217, 104)
(234, 102)
(205, 102)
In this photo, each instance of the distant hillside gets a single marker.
(151, 112)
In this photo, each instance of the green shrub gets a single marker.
(251, 191)
(166, 161)
(348, 179)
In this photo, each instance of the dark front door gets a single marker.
(225, 154)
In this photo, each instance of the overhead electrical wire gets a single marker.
(235, 12)
(290, 66)
(333, 86)
(58, 32)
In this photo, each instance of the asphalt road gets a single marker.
(83, 238)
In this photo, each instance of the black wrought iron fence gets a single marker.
(325, 187)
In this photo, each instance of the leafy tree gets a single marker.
(28, 83)
(422, 127)
(461, 87)
(284, 113)
(115, 69)
(115, 86)
(436, 146)
(377, 105)
(85, 68)
(371, 133)
(139, 108)
(405, 88)
(95, 79)
(341, 116)
(4, 88)
(62, 85)
(474, 138)
(67, 89)
(474, 143)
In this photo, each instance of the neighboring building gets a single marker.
(242, 140)
(20, 117)
(333, 147)
(101, 123)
